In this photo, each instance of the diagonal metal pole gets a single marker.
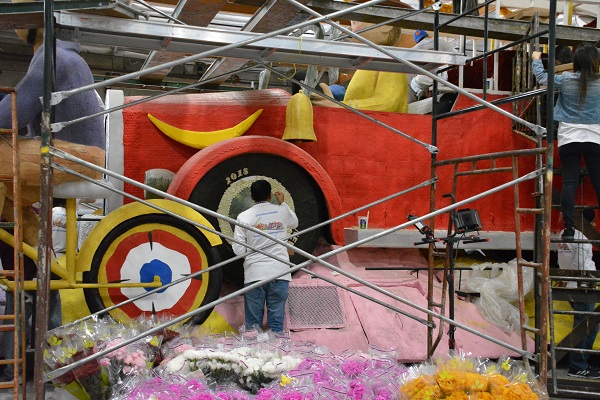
(212, 230)
(429, 147)
(58, 126)
(57, 97)
(320, 259)
(422, 71)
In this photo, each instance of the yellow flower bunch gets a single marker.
(462, 385)
(514, 391)
(481, 396)
(457, 396)
(495, 380)
(450, 381)
(410, 389)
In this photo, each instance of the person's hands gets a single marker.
(536, 55)
(279, 196)
(326, 90)
(320, 101)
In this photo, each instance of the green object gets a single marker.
(159, 179)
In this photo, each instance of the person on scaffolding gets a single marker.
(420, 84)
(578, 112)
(85, 139)
(578, 256)
(373, 90)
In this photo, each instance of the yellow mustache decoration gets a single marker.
(200, 140)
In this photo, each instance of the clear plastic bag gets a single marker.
(498, 295)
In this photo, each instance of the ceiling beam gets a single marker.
(501, 29)
(194, 13)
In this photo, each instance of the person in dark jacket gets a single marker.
(86, 139)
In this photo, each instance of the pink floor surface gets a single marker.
(341, 321)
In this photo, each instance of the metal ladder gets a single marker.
(12, 322)
(493, 166)
(558, 383)
(541, 267)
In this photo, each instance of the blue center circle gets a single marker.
(156, 268)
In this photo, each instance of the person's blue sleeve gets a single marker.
(338, 92)
(542, 76)
(28, 91)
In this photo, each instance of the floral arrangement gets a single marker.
(225, 367)
(264, 366)
(96, 379)
(137, 358)
(461, 377)
(252, 368)
(66, 346)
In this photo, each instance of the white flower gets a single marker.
(177, 364)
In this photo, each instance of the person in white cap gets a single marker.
(420, 84)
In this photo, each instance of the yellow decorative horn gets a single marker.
(299, 120)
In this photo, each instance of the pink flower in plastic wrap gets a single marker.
(202, 396)
(357, 390)
(182, 348)
(353, 368)
(194, 385)
(105, 362)
(384, 395)
(292, 396)
(265, 394)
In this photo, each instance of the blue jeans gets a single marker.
(570, 157)
(579, 361)
(273, 294)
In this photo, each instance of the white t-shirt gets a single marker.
(576, 256)
(274, 220)
(59, 230)
(578, 133)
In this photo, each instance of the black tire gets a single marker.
(175, 229)
(218, 190)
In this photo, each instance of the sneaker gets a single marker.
(588, 373)
(568, 234)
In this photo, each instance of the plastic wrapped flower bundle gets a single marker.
(270, 366)
(462, 377)
(69, 344)
(96, 378)
(250, 367)
(136, 387)
(355, 376)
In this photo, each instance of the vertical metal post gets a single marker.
(19, 334)
(44, 254)
(432, 190)
(485, 49)
(547, 199)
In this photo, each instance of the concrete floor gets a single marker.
(51, 393)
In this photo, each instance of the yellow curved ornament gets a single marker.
(200, 140)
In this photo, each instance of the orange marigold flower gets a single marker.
(497, 380)
(481, 396)
(523, 391)
(458, 396)
(411, 388)
(431, 392)
(475, 382)
(450, 381)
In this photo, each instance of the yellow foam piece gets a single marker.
(74, 307)
(563, 324)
